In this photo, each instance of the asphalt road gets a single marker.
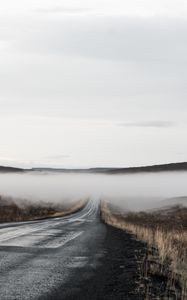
(75, 257)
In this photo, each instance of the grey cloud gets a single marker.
(110, 38)
(161, 124)
(56, 157)
(118, 63)
(62, 10)
(100, 67)
(124, 70)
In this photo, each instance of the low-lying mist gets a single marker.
(132, 192)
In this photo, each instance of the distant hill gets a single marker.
(175, 201)
(10, 169)
(130, 170)
(154, 168)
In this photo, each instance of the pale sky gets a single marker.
(93, 83)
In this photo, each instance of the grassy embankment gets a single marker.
(23, 210)
(165, 231)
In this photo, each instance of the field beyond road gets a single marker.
(23, 210)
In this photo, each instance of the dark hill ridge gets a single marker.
(10, 169)
(154, 168)
(182, 166)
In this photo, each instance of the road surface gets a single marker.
(75, 257)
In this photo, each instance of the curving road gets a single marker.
(39, 258)
(71, 258)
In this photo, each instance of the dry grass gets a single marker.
(164, 230)
(23, 210)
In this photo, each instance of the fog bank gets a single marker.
(134, 191)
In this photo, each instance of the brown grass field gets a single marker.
(23, 210)
(165, 231)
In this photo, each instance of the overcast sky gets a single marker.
(87, 83)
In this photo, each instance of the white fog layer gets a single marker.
(132, 192)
